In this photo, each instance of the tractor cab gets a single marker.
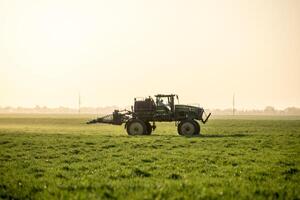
(165, 102)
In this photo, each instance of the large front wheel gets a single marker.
(188, 128)
(136, 127)
(197, 128)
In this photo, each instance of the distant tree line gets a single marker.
(269, 110)
(60, 110)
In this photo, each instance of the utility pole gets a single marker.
(79, 103)
(233, 104)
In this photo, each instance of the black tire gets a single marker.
(197, 132)
(187, 128)
(136, 127)
(149, 128)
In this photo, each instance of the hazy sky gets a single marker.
(114, 50)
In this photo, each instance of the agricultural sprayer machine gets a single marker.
(145, 112)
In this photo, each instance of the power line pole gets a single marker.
(79, 103)
(233, 104)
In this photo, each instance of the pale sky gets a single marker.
(114, 50)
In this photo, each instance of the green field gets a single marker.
(60, 157)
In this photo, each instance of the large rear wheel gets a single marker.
(136, 127)
(188, 128)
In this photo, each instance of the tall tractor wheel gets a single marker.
(136, 127)
(149, 128)
(188, 128)
(197, 128)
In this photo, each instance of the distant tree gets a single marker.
(292, 111)
(270, 110)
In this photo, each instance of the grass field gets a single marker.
(60, 157)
